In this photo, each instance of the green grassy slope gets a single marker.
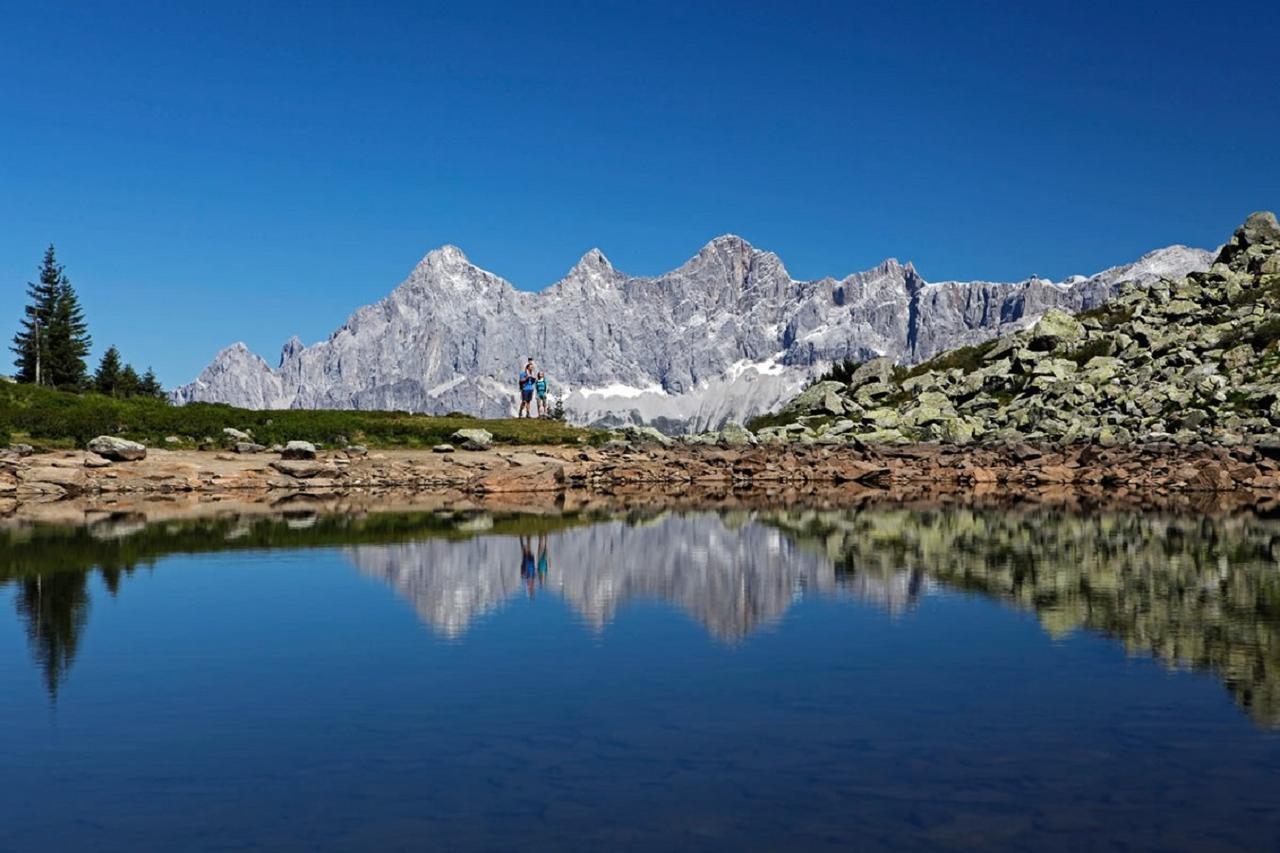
(58, 418)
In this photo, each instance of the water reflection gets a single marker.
(729, 572)
(1195, 593)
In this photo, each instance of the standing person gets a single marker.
(527, 380)
(540, 386)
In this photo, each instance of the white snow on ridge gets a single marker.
(618, 389)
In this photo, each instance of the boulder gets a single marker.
(442, 448)
(298, 450)
(1112, 436)
(648, 434)
(1055, 329)
(302, 469)
(22, 449)
(736, 435)
(357, 450)
(1261, 227)
(875, 370)
(472, 438)
(247, 447)
(118, 449)
(817, 398)
(236, 435)
(872, 391)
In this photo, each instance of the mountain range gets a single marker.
(726, 336)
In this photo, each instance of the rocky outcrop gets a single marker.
(726, 336)
(1187, 360)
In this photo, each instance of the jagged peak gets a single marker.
(291, 347)
(728, 242)
(593, 261)
(237, 353)
(448, 254)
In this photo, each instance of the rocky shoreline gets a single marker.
(1148, 469)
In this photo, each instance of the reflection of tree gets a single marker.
(56, 608)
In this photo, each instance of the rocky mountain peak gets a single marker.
(291, 347)
(592, 266)
(447, 256)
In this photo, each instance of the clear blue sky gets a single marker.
(247, 171)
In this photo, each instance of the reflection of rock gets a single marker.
(1193, 592)
(732, 579)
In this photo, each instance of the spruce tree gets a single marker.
(68, 340)
(129, 383)
(31, 344)
(107, 378)
(150, 385)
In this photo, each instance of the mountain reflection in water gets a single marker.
(731, 573)
(1195, 593)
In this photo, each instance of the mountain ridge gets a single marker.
(726, 335)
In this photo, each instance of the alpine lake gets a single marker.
(754, 676)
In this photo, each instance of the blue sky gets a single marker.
(247, 171)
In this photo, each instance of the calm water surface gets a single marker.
(884, 679)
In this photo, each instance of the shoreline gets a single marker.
(680, 475)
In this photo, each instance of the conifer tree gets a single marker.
(150, 385)
(107, 378)
(31, 343)
(68, 339)
(129, 383)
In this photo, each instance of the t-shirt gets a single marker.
(526, 381)
(541, 385)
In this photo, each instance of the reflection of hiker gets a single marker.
(527, 569)
(542, 559)
(540, 386)
(527, 381)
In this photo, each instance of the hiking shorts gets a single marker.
(526, 396)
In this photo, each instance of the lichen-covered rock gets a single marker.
(818, 397)
(1055, 329)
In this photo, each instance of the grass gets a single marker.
(967, 359)
(50, 418)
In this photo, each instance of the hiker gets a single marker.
(540, 386)
(527, 381)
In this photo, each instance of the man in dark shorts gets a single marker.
(527, 381)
